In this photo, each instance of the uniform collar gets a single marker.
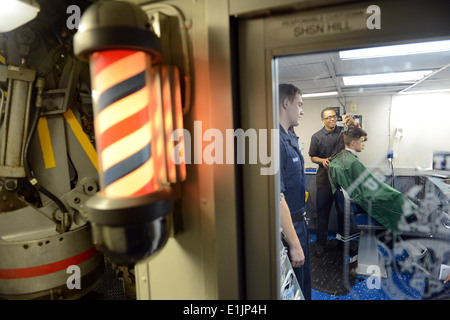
(282, 130)
(352, 152)
(287, 135)
(325, 131)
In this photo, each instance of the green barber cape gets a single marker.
(384, 203)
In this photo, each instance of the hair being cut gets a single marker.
(353, 134)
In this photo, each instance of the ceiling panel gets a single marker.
(323, 72)
(313, 71)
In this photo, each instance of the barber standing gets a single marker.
(325, 143)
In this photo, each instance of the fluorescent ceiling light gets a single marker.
(396, 50)
(425, 91)
(15, 13)
(319, 94)
(385, 78)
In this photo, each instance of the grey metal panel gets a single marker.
(260, 210)
(252, 7)
(225, 198)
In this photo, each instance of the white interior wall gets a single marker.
(422, 118)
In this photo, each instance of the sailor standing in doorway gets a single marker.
(293, 187)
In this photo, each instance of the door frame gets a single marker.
(266, 34)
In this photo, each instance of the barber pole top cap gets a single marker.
(111, 25)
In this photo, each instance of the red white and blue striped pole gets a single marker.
(130, 216)
(123, 122)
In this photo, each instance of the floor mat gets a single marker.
(327, 272)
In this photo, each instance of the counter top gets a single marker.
(443, 187)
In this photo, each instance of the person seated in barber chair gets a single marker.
(384, 203)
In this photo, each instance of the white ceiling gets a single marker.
(323, 72)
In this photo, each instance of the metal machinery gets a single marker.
(48, 159)
(48, 165)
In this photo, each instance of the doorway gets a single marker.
(273, 48)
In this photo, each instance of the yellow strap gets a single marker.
(2, 57)
(46, 143)
(82, 137)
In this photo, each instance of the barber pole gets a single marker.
(130, 216)
(123, 122)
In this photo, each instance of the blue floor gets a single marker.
(403, 282)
